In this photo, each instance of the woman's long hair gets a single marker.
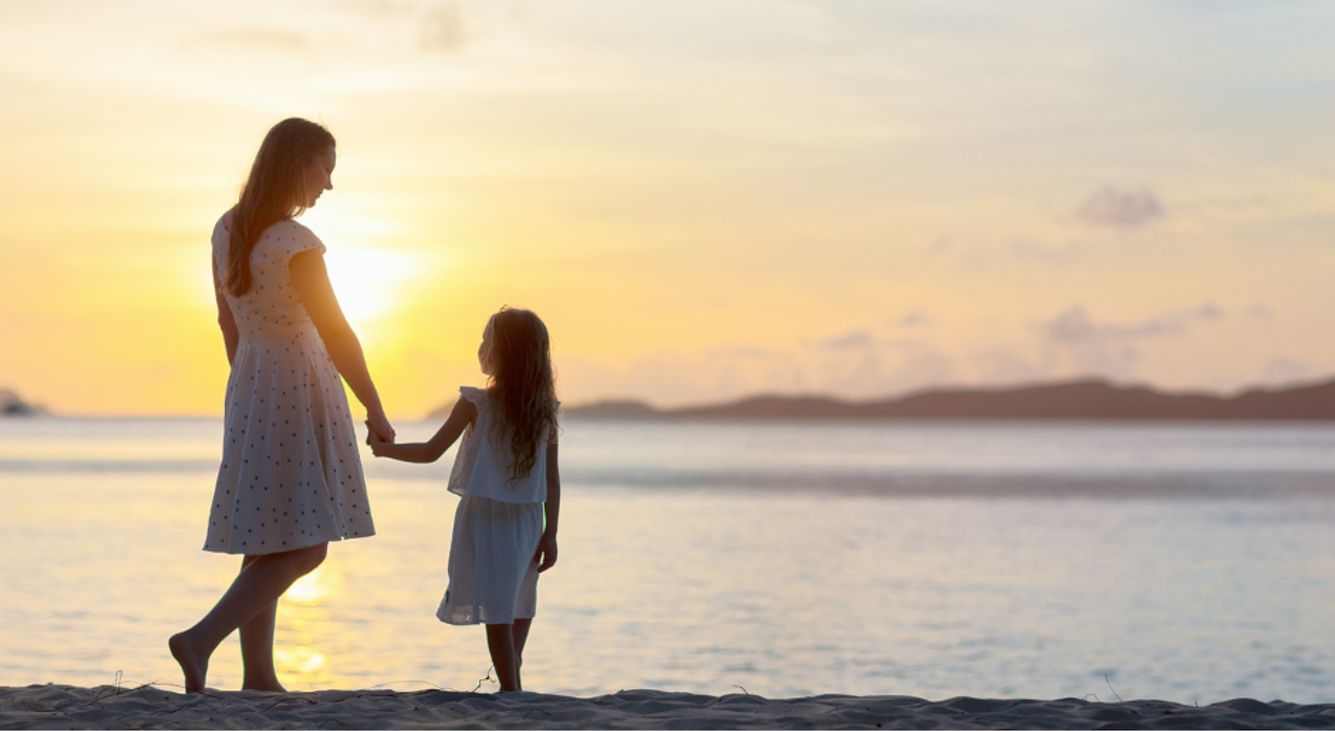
(273, 192)
(523, 385)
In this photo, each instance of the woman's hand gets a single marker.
(375, 442)
(378, 424)
(546, 555)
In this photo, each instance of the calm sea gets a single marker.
(1186, 562)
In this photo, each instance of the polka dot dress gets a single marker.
(290, 476)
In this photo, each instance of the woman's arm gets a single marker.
(546, 555)
(429, 451)
(311, 280)
(225, 319)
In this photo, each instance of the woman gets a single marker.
(291, 478)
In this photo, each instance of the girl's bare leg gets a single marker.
(254, 590)
(257, 647)
(501, 643)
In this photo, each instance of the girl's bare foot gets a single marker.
(194, 664)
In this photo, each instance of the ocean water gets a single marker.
(1187, 562)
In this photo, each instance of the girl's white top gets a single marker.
(482, 467)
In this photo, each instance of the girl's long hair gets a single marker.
(523, 385)
(273, 192)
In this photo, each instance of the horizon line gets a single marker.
(42, 411)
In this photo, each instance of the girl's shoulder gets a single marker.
(474, 395)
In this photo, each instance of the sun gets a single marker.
(369, 284)
(372, 276)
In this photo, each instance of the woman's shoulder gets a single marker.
(222, 229)
(289, 237)
(290, 229)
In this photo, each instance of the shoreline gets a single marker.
(149, 706)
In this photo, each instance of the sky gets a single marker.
(703, 200)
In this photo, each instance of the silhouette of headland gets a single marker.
(12, 405)
(1083, 399)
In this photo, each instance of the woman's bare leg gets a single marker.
(520, 632)
(254, 590)
(257, 647)
(501, 643)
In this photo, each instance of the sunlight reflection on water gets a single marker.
(316, 586)
(697, 589)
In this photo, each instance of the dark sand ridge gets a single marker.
(62, 706)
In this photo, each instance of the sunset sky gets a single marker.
(704, 200)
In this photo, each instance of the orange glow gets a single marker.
(684, 242)
(315, 587)
(370, 284)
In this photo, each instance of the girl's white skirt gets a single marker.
(493, 574)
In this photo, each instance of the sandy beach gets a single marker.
(63, 706)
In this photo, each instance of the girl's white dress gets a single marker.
(291, 476)
(497, 526)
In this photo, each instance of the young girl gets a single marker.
(505, 471)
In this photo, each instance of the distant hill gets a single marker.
(12, 405)
(1081, 399)
(616, 410)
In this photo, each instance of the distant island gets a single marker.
(12, 405)
(1078, 399)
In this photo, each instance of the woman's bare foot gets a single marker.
(268, 686)
(194, 664)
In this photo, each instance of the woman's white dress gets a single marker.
(497, 526)
(291, 475)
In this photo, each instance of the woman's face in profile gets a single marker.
(319, 176)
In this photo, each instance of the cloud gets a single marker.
(846, 341)
(1002, 365)
(1109, 207)
(1113, 348)
(744, 353)
(1260, 311)
(897, 356)
(912, 319)
(852, 364)
(1074, 325)
(1209, 311)
(1029, 249)
(444, 29)
(1284, 371)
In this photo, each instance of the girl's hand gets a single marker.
(546, 555)
(378, 424)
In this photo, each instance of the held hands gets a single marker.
(374, 441)
(546, 555)
(379, 433)
(378, 424)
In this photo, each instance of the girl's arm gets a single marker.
(429, 451)
(546, 555)
(311, 280)
(225, 319)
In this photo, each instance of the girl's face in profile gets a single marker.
(319, 176)
(484, 350)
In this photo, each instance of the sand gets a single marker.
(63, 706)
